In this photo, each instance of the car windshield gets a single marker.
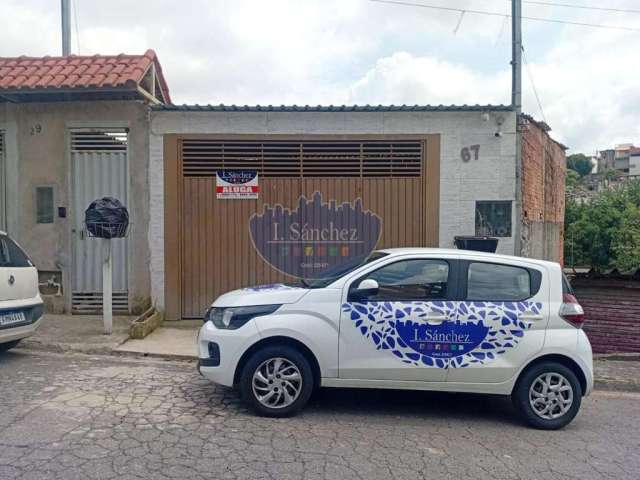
(11, 255)
(337, 271)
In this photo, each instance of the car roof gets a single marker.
(464, 253)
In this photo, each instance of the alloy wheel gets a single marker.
(277, 383)
(550, 395)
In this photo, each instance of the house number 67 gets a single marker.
(466, 152)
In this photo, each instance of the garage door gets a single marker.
(216, 250)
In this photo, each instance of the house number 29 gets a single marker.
(467, 152)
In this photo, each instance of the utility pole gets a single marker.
(66, 27)
(516, 55)
(516, 105)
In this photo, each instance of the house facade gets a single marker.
(461, 180)
(338, 179)
(73, 129)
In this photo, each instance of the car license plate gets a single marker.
(11, 318)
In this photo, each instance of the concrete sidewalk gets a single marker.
(617, 374)
(78, 333)
(172, 339)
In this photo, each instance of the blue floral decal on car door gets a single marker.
(472, 332)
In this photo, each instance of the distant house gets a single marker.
(73, 129)
(606, 160)
(634, 162)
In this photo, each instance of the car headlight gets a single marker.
(231, 318)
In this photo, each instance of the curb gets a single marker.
(612, 385)
(628, 357)
(98, 350)
(64, 348)
(157, 356)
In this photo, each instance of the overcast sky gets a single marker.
(358, 52)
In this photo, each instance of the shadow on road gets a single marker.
(426, 405)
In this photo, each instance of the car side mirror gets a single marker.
(366, 287)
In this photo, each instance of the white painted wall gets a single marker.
(491, 177)
(634, 164)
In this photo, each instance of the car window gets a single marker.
(11, 255)
(566, 285)
(419, 279)
(494, 282)
(337, 271)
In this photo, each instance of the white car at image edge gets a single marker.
(21, 306)
(409, 318)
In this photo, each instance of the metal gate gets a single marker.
(99, 166)
(217, 254)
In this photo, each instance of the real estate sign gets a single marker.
(237, 184)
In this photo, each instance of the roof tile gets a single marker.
(98, 71)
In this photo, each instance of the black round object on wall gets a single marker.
(107, 217)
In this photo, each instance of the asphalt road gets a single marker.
(93, 417)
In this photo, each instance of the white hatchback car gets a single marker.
(20, 303)
(423, 319)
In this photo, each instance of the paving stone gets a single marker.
(111, 417)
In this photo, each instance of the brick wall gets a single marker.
(612, 309)
(543, 189)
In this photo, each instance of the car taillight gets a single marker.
(571, 310)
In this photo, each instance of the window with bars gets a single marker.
(370, 158)
(493, 218)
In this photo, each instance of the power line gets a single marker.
(497, 14)
(533, 86)
(581, 7)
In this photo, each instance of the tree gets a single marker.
(572, 178)
(610, 174)
(605, 232)
(580, 163)
(626, 241)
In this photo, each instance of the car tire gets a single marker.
(276, 381)
(8, 345)
(548, 396)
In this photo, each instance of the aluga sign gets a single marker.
(237, 184)
(424, 319)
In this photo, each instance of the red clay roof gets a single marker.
(78, 72)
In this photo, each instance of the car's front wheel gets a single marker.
(8, 345)
(277, 381)
(548, 396)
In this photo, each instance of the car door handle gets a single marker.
(530, 317)
(435, 319)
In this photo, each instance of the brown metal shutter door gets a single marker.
(217, 252)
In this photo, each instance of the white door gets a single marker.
(508, 307)
(388, 335)
(99, 164)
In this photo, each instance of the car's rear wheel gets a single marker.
(276, 381)
(548, 396)
(8, 345)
